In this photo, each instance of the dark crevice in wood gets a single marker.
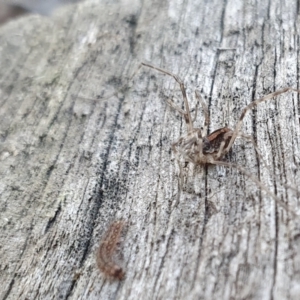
(97, 199)
(276, 258)
(53, 219)
(163, 258)
(9, 288)
(222, 21)
(68, 293)
(254, 124)
(199, 246)
(132, 21)
(216, 59)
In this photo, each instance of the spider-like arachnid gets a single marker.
(200, 148)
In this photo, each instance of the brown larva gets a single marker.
(107, 249)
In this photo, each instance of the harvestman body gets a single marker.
(200, 148)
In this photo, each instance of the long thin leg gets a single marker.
(258, 182)
(176, 107)
(250, 106)
(188, 118)
(205, 110)
(251, 139)
(226, 137)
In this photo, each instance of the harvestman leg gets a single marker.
(257, 181)
(176, 107)
(187, 113)
(250, 139)
(249, 107)
(196, 135)
(205, 110)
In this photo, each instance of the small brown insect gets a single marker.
(106, 251)
(201, 148)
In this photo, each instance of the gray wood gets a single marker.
(83, 144)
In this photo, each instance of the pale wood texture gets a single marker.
(83, 144)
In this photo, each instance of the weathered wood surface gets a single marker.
(82, 145)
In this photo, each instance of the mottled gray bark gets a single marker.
(83, 144)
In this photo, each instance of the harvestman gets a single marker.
(200, 148)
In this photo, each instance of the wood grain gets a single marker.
(83, 142)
